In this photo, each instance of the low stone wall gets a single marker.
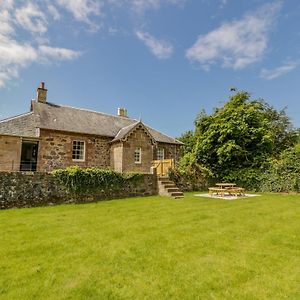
(27, 189)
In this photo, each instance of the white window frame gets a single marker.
(158, 154)
(78, 141)
(138, 150)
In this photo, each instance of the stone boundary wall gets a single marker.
(28, 189)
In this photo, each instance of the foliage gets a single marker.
(284, 173)
(189, 139)
(249, 178)
(92, 180)
(242, 135)
(189, 175)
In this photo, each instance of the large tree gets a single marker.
(242, 134)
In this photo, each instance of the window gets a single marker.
(138, 155)
(78, 152)
(160, 153)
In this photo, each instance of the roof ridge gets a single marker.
(17, 116)
(93, 111)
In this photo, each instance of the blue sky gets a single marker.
(163, 60)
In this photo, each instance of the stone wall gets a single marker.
(137, 139)
(55, 150)
(27, 189)
(10, 153)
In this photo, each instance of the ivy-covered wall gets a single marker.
(26, 189)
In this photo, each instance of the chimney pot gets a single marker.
(42, 93)
(122, 112)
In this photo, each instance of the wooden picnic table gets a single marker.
(225, 185)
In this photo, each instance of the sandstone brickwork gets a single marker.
(10, 153)
(138, 139)
(116, 157)
(56, 147)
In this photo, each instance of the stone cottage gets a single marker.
(53, 136)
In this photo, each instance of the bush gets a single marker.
(93, 180)
(188, 175)
(248, 178)
(284, 173)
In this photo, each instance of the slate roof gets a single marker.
(21, 125)
(65, 118)
(124, 131)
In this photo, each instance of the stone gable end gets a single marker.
(138, 139)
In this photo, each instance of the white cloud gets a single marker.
(19, 50)
(17, 53)
(6, 22)
(82, 10)
(160, 48)
(13, 57)
(270, 74)
(58, 53)
(31, 18)
(236, 44)
(140, 6)
(53, 12)
(6, 4)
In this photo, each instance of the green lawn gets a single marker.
(153, 248)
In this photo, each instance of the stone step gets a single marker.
(170, 185)
(169, 188)
(173, 190)
(177, 194)
(166, 182)
(163, 178)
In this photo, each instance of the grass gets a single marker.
(153, 248)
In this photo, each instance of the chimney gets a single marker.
(122, 112)
(42, 93)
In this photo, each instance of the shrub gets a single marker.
(188, 175)
(248, 178)
(94, 180)
(284, 173)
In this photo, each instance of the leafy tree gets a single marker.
(282, 130)
(189, 140)
(242, 134)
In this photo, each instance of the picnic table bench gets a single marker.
(230, 188)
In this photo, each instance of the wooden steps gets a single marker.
(166, 187)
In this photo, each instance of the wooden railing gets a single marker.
(162, 166)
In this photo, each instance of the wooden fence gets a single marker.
(162, 166)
